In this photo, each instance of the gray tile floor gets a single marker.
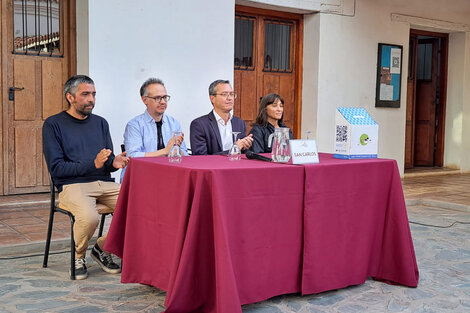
(443, 256)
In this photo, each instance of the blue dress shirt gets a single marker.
(140, 135)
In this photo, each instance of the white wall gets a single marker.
(188, 44)
(455, 92)
(457, 143)
(82, 37)
(465, 150)
(311, 59)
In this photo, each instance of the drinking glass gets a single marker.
(176, 154)
(234, 154)
(307, 134)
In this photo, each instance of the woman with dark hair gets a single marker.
(270, 114)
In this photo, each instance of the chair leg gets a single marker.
(72, 250)
(103, 218)
(48, 239)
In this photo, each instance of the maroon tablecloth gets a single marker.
(214, 234)
(217, 234)
(355, 225)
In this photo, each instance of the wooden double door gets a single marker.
(426, 96)
(38, 55)
(267, 58)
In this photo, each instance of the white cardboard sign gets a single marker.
(304, 151)
(356, 134)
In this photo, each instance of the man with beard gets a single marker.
(79, 155)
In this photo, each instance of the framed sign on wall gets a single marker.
(389, 63)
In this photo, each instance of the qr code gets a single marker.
(396, 62)
(341, 133)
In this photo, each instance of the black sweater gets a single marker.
(261, 137)
(70, 147)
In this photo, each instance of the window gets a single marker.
(277, 46)
(36, 27)
(424, 61)
(244, 27)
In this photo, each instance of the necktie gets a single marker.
(161, 145)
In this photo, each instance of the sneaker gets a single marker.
(80, 269)
(105, 260)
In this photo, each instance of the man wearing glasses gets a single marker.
(151, 133)
(212, 133)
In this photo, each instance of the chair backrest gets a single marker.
(52, 186)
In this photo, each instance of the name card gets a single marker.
(304, 151)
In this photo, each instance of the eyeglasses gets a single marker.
(158, 99)
(226, 94)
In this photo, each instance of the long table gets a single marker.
(216, 234)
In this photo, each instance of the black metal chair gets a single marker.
(102, 209)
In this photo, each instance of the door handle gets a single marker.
(11, 92)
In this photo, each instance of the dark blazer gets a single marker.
(204, 134)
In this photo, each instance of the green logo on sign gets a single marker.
(364, 139)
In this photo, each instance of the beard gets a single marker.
(85, 110)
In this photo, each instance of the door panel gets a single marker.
(244, 86)
(51, 94)
(286, 87)
(424, 155)
(410, 102)
(24, 78)
(271, 83)
(426, 91)
(25, 156)
(409, 130)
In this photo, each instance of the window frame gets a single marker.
(253, 44)
(291, 44)
(53, 53)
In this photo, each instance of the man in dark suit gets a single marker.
(212, 133)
